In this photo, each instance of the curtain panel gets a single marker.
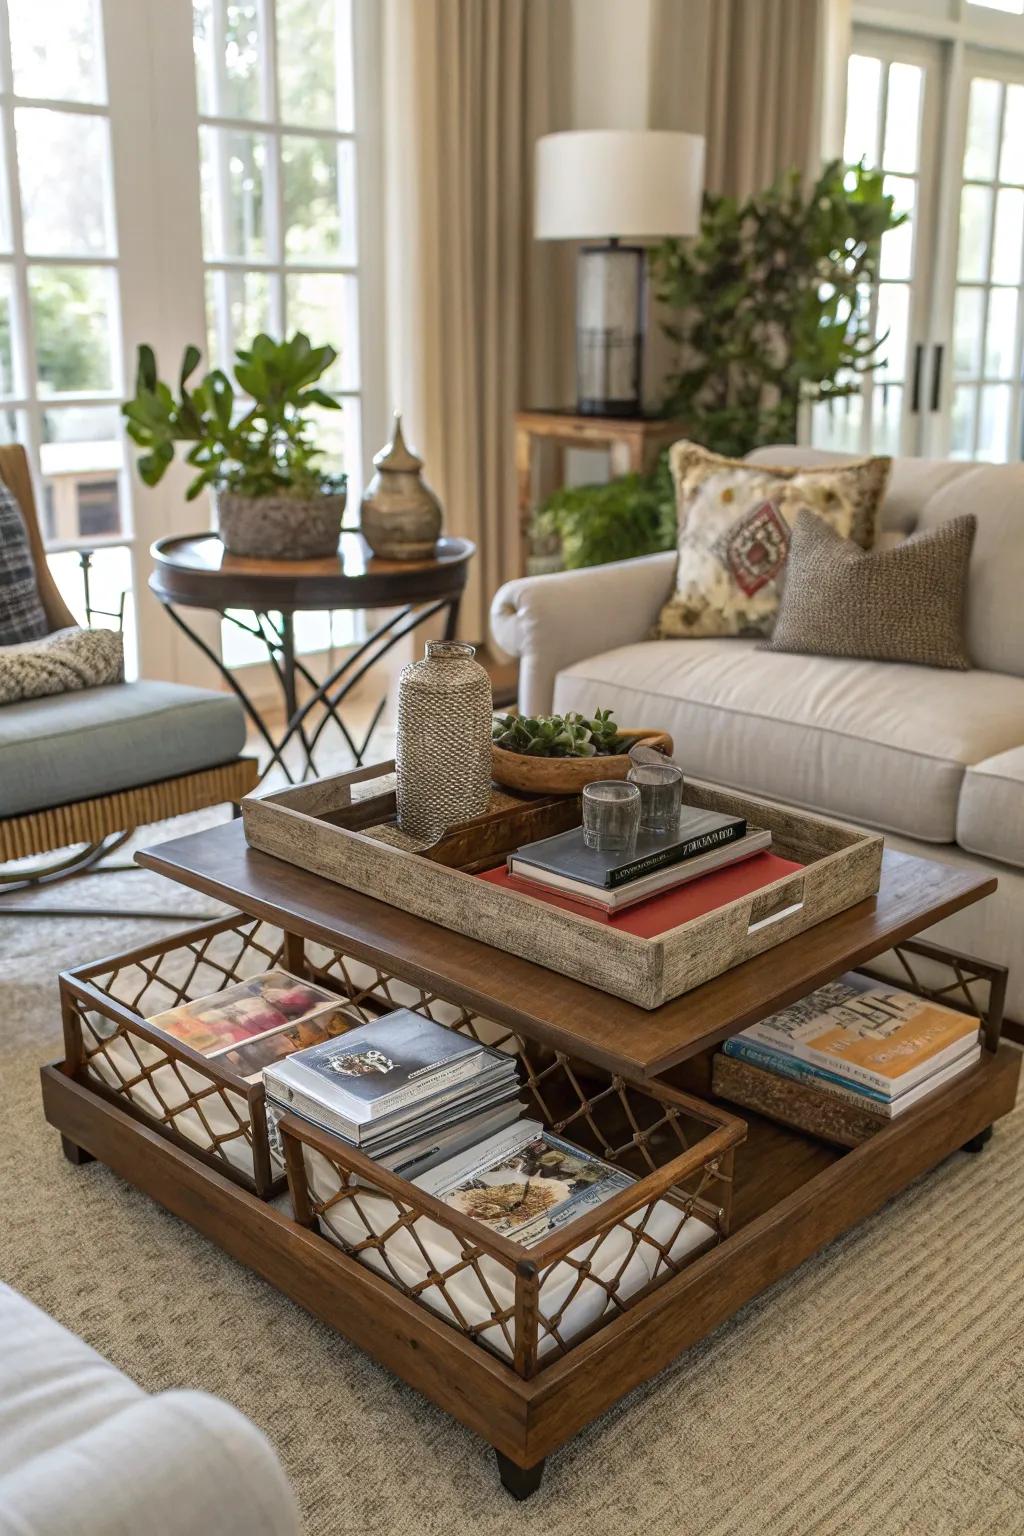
(479, 314)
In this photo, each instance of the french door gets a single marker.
(946, 126)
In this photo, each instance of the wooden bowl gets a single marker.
(567, 775)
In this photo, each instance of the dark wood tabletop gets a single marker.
(195, 570)
(914, 894)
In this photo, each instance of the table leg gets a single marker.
(519, 1481)
(291, 698)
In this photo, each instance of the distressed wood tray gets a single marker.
(353, 838)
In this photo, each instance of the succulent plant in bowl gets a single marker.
(559, 754)
(571, 735)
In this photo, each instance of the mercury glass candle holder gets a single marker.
(611, 815)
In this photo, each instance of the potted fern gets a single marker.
(251, 442)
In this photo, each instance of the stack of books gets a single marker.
(844, 1061)
(665, 879)
(407, 1092)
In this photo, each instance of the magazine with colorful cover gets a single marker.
(866, 1032)
(524, 1183)
(250, 1057)
(257, 1006)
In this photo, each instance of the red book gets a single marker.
(669, 908)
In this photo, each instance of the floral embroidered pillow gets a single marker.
(735, 525)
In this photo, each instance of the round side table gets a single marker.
(195, 571)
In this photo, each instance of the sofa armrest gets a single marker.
(551, 621)
(172, 1465)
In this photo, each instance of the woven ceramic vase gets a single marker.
(443, 751)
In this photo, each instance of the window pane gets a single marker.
(837, 423)
(863, 85)
(893, 312)
(1011, 162)
(965, 400)
(994, 423)
(967, 328)
(975, 214)
(323, 304)
(982, 130)
(227, 45)
(233, 167)
(64, 168)
(319, 199)
(887, 412)
(898, 244)
(73, 311)
(9, 381)
(57, 49)
(1001, 333)
(902, 117)
(237, 309)
(314, 63)
(81, 457)
(1009, 234)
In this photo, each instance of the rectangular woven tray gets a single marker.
(352, 838)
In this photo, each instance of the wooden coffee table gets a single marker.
(792, 1193)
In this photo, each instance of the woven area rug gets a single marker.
(877, 1391)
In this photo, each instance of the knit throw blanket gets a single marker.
(64, 662)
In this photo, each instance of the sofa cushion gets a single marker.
(869, 741)
(57, 750)
(52, 1385)
(990, 817)
(994, 493)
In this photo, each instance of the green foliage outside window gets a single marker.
(769, 312)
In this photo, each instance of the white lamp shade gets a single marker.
(625, 184)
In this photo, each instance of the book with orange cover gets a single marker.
(671, 908)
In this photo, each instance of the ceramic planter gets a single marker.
(280, 527)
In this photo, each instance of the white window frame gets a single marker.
(152, 108)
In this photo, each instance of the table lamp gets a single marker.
(614, 185)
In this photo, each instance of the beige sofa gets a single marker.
(934, 759)
(85, 1452)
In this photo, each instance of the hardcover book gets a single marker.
(863, 1033)
(667, 909)
(824, 1109)
(567, 856)
(524, 1182)
(256, 1006)
(381, 1071)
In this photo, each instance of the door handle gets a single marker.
(915, 396)
(937, 376)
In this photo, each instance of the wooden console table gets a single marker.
(633, 445)
(792, 1193)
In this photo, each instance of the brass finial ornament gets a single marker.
(400, 517)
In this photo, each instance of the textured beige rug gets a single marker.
(879, 1390)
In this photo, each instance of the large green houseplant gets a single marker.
(768, 310)
(251, 442)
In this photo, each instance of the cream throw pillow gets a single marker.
(735, 522)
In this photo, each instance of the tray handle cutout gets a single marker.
(776, 903)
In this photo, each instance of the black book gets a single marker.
(568, 856)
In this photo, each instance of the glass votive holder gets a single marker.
(611, 815)
(661, 795)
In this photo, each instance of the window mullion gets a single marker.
(22, 328)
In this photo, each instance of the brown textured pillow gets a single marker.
(906, 603)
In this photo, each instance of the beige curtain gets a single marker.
(748, 75)
(479, 315)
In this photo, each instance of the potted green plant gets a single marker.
(559, 754)
(251, 442)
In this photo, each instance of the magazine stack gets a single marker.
(407, 1092)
